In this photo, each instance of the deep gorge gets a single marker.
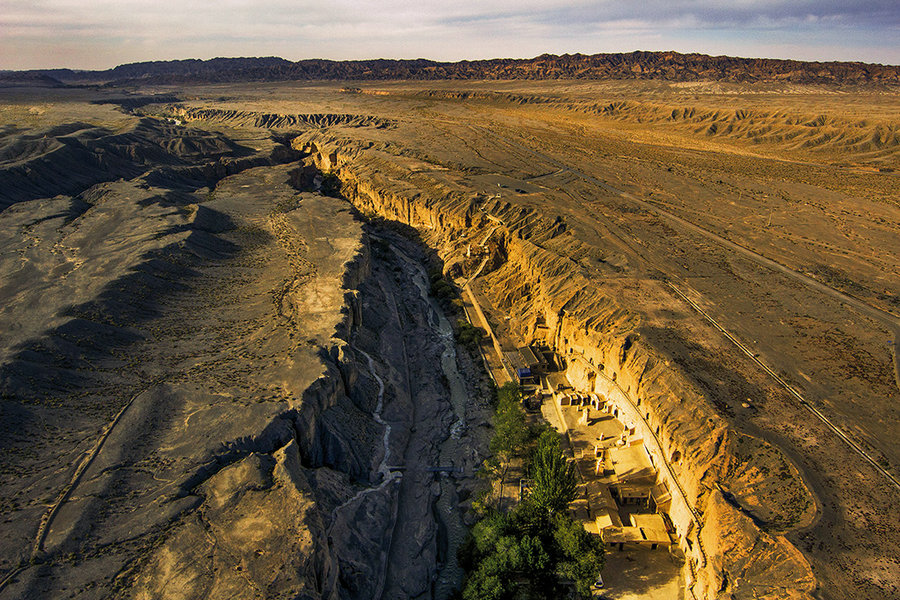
(533, 284)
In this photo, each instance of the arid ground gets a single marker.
(207, 371)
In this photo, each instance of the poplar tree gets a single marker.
(554, 477)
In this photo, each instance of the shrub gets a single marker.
(442, 290)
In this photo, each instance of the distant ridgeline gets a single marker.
(668, 66)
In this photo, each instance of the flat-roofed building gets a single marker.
(631, 462)
(519, 367)
(643, 531)
(533, 358)
(653, 528)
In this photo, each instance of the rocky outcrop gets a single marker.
(277, 121)
(201, 389)
(257, 534)
(725, 486)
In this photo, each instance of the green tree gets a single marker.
(511, 431)
(485, 536)
(554, 477)
(579, 554)
(504, 562)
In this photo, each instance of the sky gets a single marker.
(99, 34)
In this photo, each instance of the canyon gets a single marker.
(218, 381)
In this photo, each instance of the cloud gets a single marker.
(109, 32)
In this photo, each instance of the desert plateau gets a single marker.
(263, 326)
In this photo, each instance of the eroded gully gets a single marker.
(388, 477)
(450, 574)
(446, 508)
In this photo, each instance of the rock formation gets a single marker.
(215, 386)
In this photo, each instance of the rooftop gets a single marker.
(652, 527)
(530, 357)
(515, 360)
(647, 528)
(631, 462)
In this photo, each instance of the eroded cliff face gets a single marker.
(733, 494)
(327, 512)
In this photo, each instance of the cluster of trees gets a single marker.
(536, 550)
(526, 554)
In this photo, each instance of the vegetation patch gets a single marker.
(534, 550)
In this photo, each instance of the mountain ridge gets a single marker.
(665, 66)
